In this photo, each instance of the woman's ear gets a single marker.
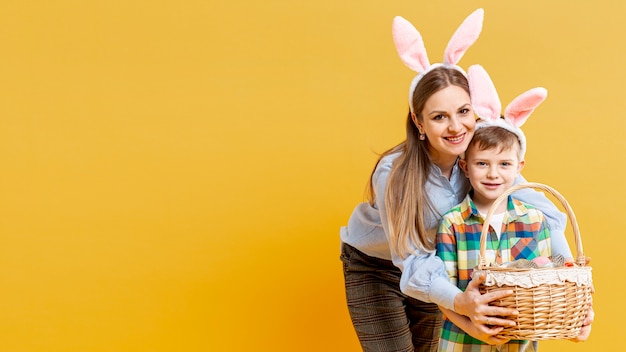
(416, 123)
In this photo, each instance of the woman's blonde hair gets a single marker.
(406, 198)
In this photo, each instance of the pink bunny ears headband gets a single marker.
(411, 49)
(487, 105)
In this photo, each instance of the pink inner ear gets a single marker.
(518, 111)
(485, 100)
(409, 45)
(464, 37)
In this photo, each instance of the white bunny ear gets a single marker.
(518, 111)
(464, 37)
(410, 45)
(485, 100)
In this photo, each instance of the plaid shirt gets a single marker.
(524, 234)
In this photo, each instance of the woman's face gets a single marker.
(448, 123)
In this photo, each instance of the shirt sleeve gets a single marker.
(544, 240)
(446, 250)
(423, 273)
(556, 219)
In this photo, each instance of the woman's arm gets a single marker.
(424, 276)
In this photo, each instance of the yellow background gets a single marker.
(175, 173)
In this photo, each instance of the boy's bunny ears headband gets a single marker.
(411, 49)
(487, 105)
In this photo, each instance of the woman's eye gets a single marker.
(464, 111)
(438, 117)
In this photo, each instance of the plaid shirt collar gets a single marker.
(515, 209)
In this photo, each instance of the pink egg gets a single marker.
(541, 261)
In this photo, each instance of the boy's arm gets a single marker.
(446, 249)
(483, 333)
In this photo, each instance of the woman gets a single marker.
(393, 279)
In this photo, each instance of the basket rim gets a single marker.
(580, 256)
(530, 278)
(534, 270)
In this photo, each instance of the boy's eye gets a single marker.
(481, 163)
(506, 163)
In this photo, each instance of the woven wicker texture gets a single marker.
(547, 310)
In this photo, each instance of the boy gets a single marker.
(493, 160)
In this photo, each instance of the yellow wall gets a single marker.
(174, 173)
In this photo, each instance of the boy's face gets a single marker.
(491, 172)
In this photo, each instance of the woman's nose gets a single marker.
(454, 125)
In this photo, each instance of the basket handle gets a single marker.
(580, 258)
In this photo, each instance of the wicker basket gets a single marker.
(552, 302)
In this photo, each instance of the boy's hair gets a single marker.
(494, 137)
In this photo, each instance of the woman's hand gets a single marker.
(476, 307)
(585, 331)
